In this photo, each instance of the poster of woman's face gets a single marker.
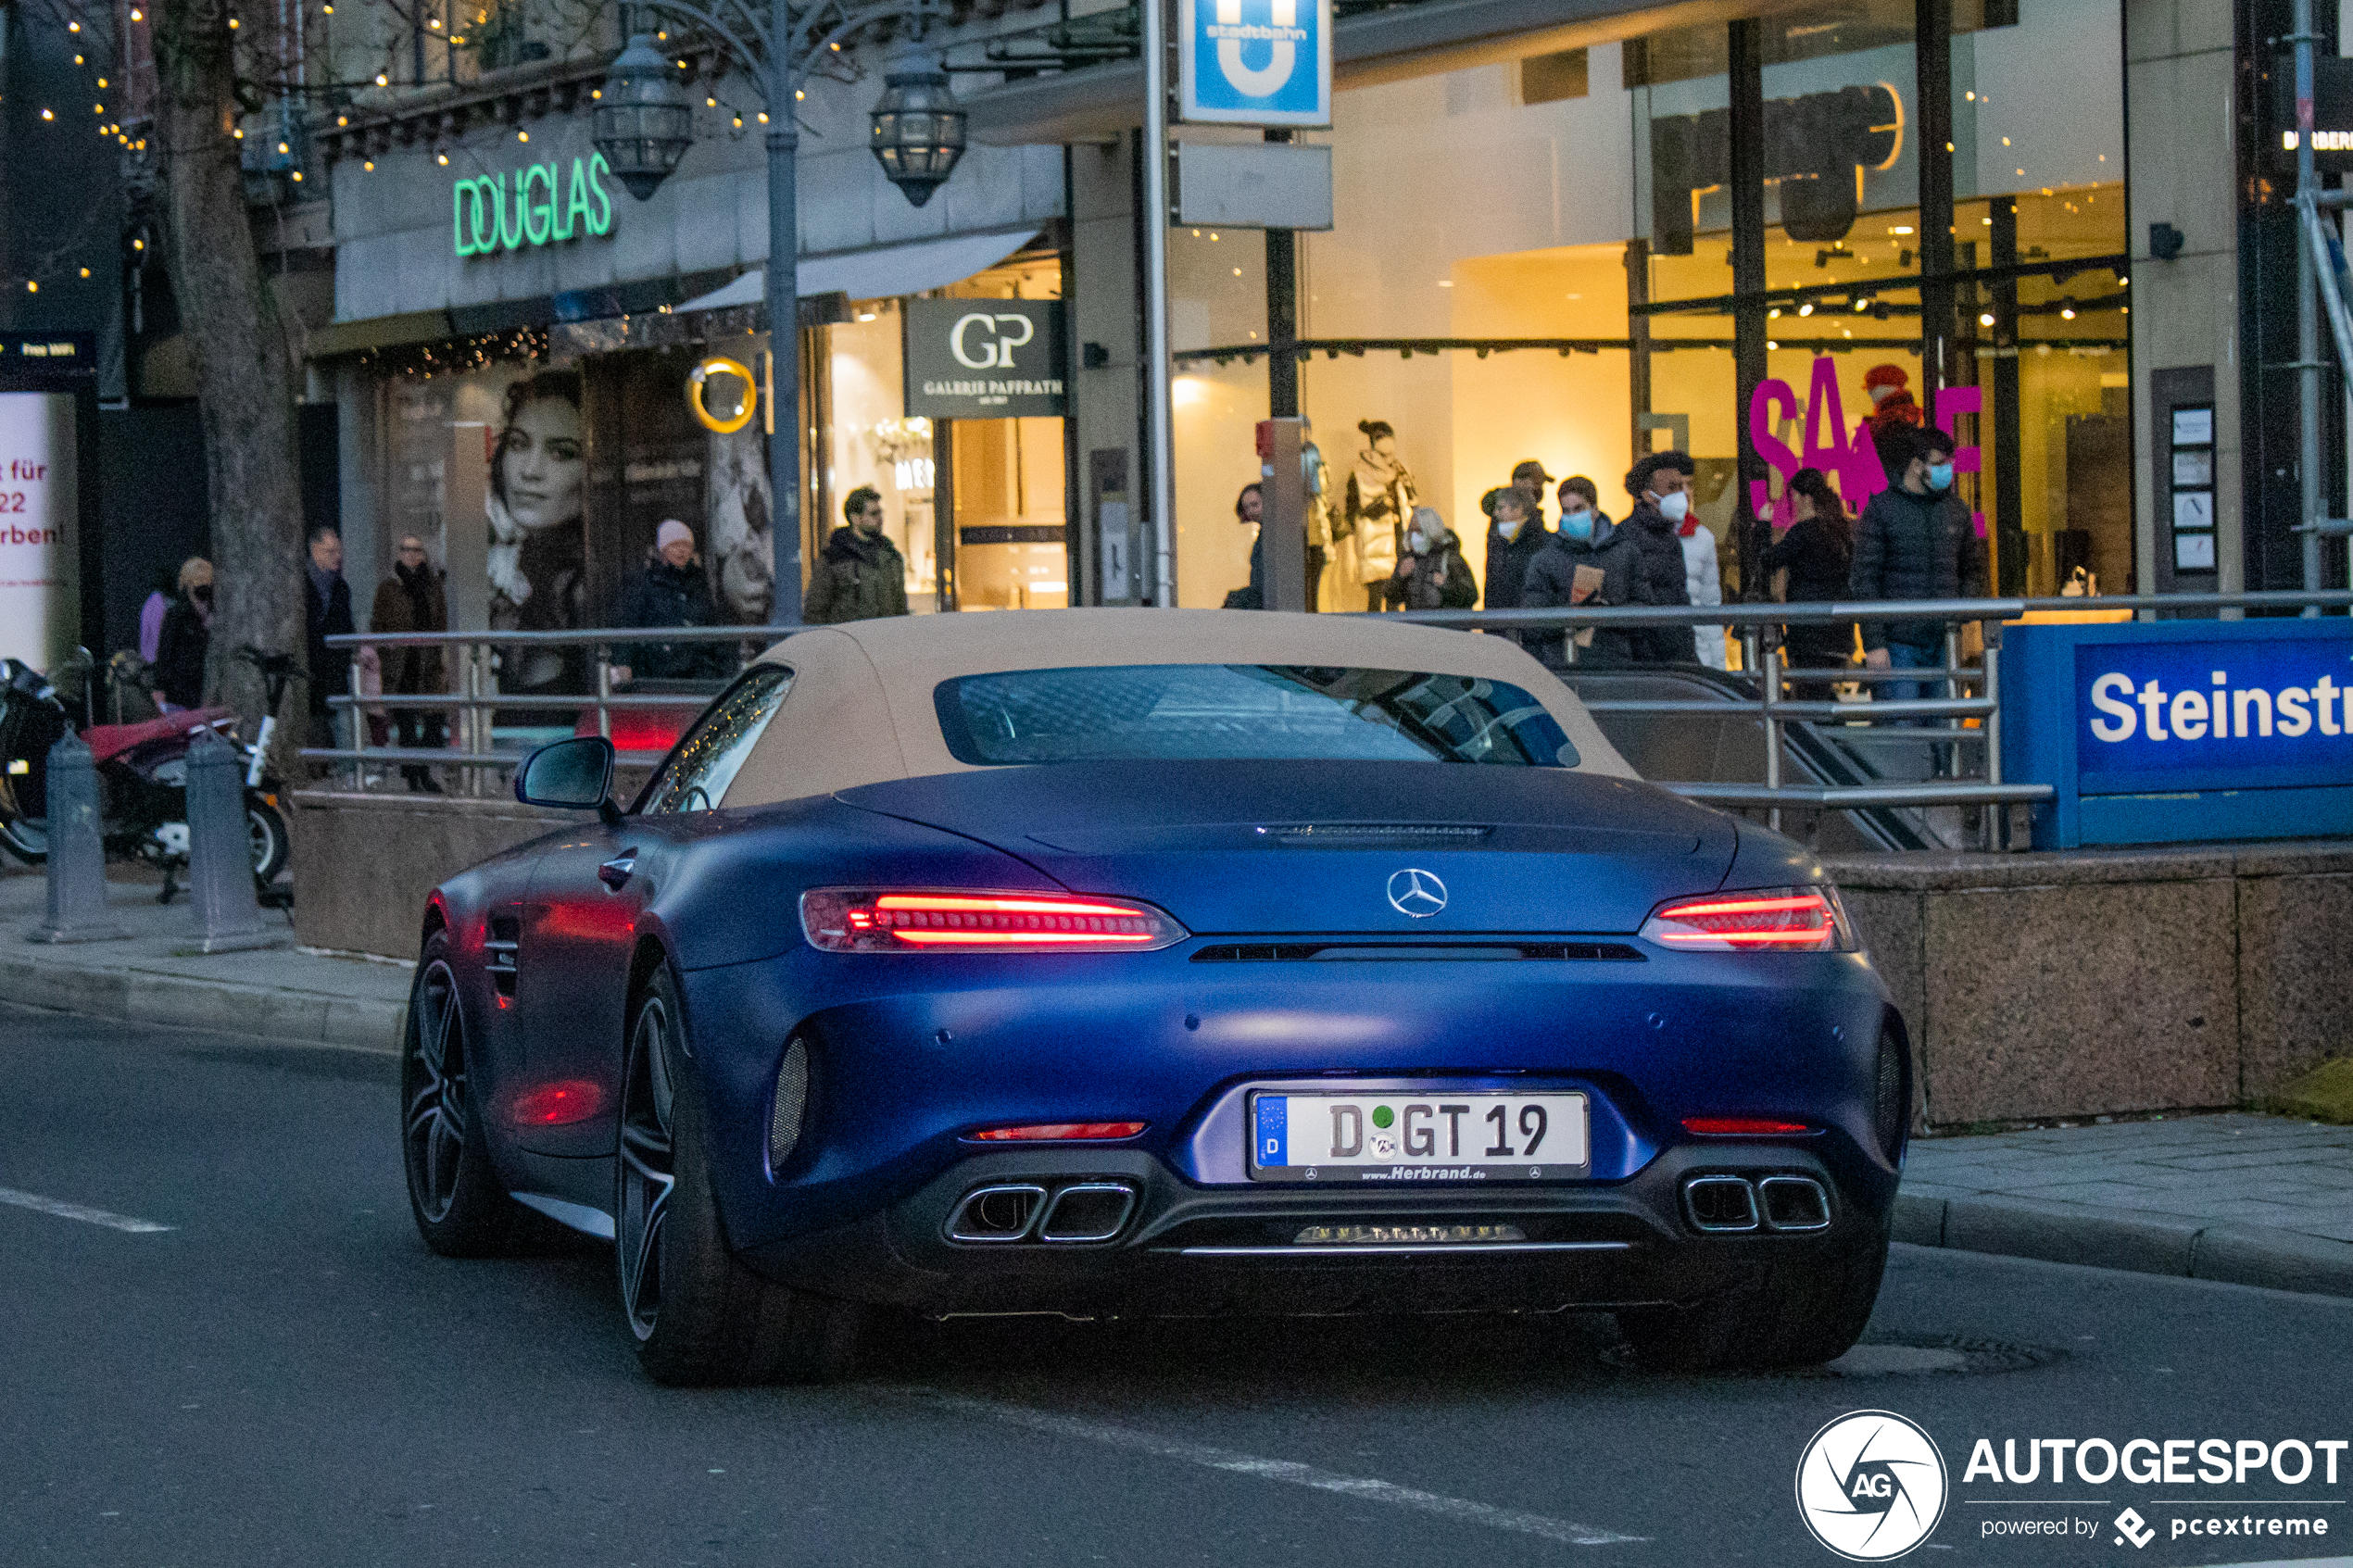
(542, 467)
(538, 549)
(741, 546)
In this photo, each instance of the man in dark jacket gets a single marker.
(1661, 485)
(411, 600)
(1587, 539)
(859, 573)
(1913, 542)
(1515, 535)
(326, 599)
(673, 590)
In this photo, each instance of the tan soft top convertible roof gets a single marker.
(859, 710)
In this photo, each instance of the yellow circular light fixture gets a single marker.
(698, 379)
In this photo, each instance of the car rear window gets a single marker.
(1206, 712)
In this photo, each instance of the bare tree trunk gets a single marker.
(243, 376)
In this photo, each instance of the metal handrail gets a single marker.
(1755, 623)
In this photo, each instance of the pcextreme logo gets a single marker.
(1871, 1486)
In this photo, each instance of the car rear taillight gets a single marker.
(1780, 920)
(857, 919)
(1060, 1132)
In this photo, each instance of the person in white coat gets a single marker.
(1704, 584)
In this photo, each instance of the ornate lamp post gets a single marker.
(645, 122)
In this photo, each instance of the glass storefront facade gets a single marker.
(1582, 256)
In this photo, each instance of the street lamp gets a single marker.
(918, 129)
(646, 121)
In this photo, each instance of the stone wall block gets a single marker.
(2062, 1001)
(2295, 946)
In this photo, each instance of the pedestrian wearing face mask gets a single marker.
(1586, 539)
(1515, 534)
(185, 637)
(1913, 542)
(1703, 583)
(1661, 485)
(1432, 573)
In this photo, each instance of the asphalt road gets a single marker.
(286, 1375)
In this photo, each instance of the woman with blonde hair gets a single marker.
(187, 633)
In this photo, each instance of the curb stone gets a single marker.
(2145, 1243)
(134, 996)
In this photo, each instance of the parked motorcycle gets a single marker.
(143, 771)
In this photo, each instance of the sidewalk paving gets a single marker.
(154, 975)
(2250, 1199)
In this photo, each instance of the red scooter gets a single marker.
(143, 772)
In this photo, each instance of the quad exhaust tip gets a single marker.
(1024, 1211)
(1734, 1203)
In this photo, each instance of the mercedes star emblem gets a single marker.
(1416, 893)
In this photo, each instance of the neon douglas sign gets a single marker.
(534, 206)
(1852, 460)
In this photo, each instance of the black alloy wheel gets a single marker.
(453, 1192)
(698, 1315)
(648, 1165)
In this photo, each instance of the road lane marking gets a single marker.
(1462, 1510)
(65, 1210)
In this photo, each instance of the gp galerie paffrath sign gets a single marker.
(1256, 62)
(985, 359)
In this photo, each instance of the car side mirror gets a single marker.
(574, 775)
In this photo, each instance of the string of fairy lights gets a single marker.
(104, 59)
(423, 361)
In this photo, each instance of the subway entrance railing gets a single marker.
(1853, 753)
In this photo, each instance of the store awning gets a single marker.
(883, 273)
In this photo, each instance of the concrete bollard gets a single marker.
(77, 863)
(220, 851)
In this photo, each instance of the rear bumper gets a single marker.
(1188, 1250)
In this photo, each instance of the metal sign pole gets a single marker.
(1161, 445)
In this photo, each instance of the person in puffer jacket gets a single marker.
(1431, 573)
(1913, 542)
(1586, 537)
(1661, 485)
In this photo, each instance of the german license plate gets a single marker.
(1417, 1137)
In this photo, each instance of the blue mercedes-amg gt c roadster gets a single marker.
(1103, 963)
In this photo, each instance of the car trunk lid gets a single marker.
(1338, 847)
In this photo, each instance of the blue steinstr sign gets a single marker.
(2179, 730)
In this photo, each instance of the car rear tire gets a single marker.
(1797, 1314)
(698, 1316)
(454, 1192)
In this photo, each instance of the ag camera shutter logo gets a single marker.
(1871, 1486)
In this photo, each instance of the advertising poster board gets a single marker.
(40, 602)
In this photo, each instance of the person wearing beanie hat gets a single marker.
(1892, 418)
(672, 590)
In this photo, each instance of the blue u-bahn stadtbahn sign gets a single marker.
(2181, 730)
(1256, 62)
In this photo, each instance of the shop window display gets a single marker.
(1517, 275)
